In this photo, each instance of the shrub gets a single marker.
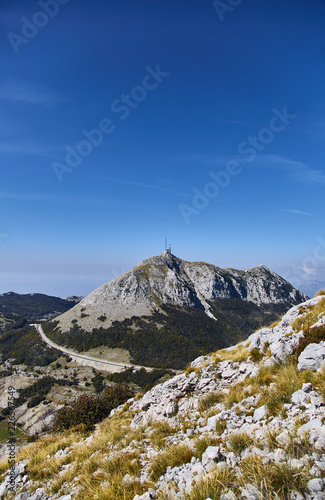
(97, 381)
(91, 409)
(312, 336)
(35, 401)
(143, 378)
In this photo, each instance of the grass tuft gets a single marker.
(213, 485)
(274, 480)
(209, 400)
(173, 456)
(239, 441)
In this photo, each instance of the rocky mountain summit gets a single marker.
(166, 279)
(165, 301)
(245, 422)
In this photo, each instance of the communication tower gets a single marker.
(167, 249)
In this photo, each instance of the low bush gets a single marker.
(35, 401)
(311, 336)
(142, 378)
(91, 409)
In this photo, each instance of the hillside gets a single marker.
(245, 422)
(35, 306)
(166, 311)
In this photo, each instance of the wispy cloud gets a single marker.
(298, 170)
(22, 91)
(298, 212)
(158, 188)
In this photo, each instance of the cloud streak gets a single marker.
(298, 212)
(297, 170)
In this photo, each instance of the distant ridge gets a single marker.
(34, 306)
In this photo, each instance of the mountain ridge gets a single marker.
(167, 279)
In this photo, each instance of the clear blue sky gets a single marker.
(187, 93)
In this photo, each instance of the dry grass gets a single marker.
(202, 444)
(192, 369)
(287, 380)
(209, 400)
(239, 441)
(213, 485)
(159, 432)
(173, 456)
(274, 480)
(309, 316)
(238, 355)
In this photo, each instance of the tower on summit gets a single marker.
(167, 249)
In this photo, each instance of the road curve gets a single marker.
(99, 364)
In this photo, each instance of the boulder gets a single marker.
(312, 358)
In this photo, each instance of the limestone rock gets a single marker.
(313, 357)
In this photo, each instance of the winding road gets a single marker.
(99, 364)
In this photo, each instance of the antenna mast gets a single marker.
(167, 249)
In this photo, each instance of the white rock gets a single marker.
(315, 485)
(295, 495)
(315, 423)
(300, 397)
(212, 422)
(211, 453)
(260, 413)
(283, 438)
(312, 358)
(230, 495)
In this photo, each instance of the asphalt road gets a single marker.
(99, 364)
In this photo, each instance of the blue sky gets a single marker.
(206, 122)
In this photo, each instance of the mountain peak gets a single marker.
(165, 258)
(166, 280)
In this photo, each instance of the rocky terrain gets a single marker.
(245, 422)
